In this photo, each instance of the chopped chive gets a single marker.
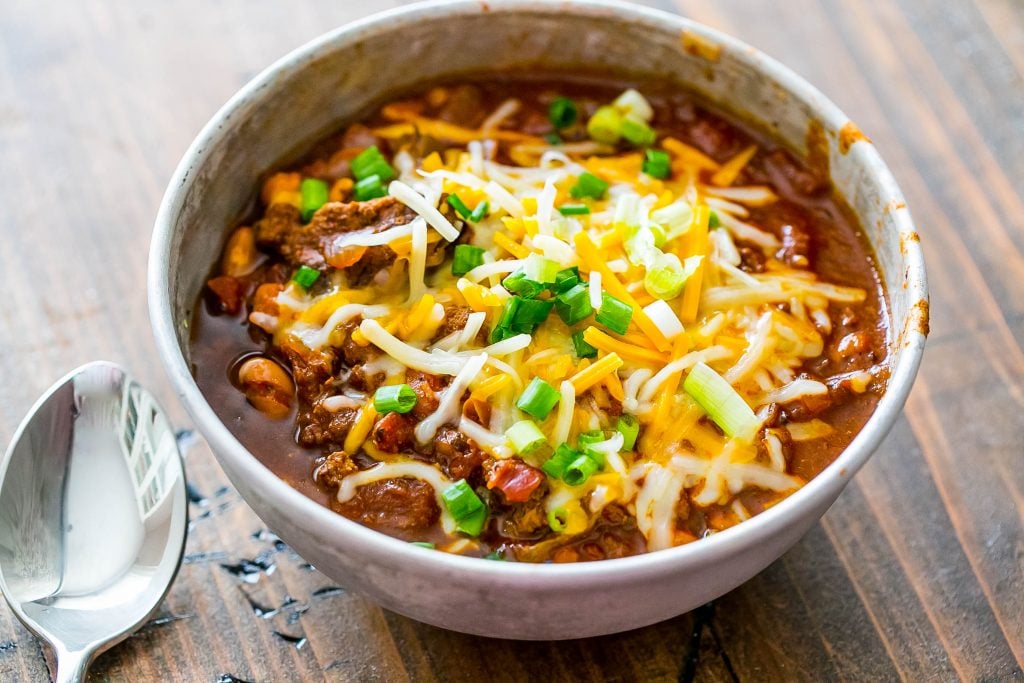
(614, 314)
(574, 210)
(312, 195)
(657, 164)
(562, 112)
(588, 185)
(585, 440)
(459, 206)
(424, 544)
(465, 258)
(713, 221)
(555, 466)
(553, 139)
(583, 349)
(629, 427)
(370, 187)
(394, 398)
(526, 437)
(579, 470)
(495, 555)
(573, 305)
(480, 212)
(538, 398)
(503, 327)
(371, 162)
(306, 276)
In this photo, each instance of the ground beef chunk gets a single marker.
(311, 370)
(752, 259)
(396, 504)
(394, 433)
(456, 453)
(514, 479)
(455, 318)
(426, 387)
(615, 534)
(320, 243)
(333, 468)
(353, 353)
(715, 138)
(796, 246)
(229, 292)
(791, 224)
(320, 427)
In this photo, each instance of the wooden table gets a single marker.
(916, 573)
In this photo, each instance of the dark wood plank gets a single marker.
(916, 573)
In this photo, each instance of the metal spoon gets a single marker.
(93, 514)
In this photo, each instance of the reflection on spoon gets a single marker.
(93, 514)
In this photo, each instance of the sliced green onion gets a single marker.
(495, 555)
(629, 427)
(614, 314)
(605, 125)
(574, 210)
(657, 164)
(459, 206)
(518, 283)
(713, 221)
(370, 187)
(465, 507)
(573, 305)
(394, 398)
(371, 162)
(424, 544)
(526, 437)
(503, 327)
(465, 258)
(632, 102)
(720, 401)
(588, 185)
(557, 519)
(538, 398)
(566, 279)
(562, 112)
(306, 276)
(585, 440)
(530, 313)
(553, 139)
(473, 524)
(555, 466)
(480, 212)
(540, 269)
(313, 194)
(579, 470)
(461, 500)
(583, 349)
(636, 131)
(665, 277)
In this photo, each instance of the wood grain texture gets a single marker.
(917, 572)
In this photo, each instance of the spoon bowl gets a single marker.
(93, 514)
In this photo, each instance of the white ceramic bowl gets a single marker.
(309, 93)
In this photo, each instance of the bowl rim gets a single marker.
(908, 346)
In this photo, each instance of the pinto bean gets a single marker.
(240, 253)
(267, 387)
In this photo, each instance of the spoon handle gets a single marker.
(72, 666)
